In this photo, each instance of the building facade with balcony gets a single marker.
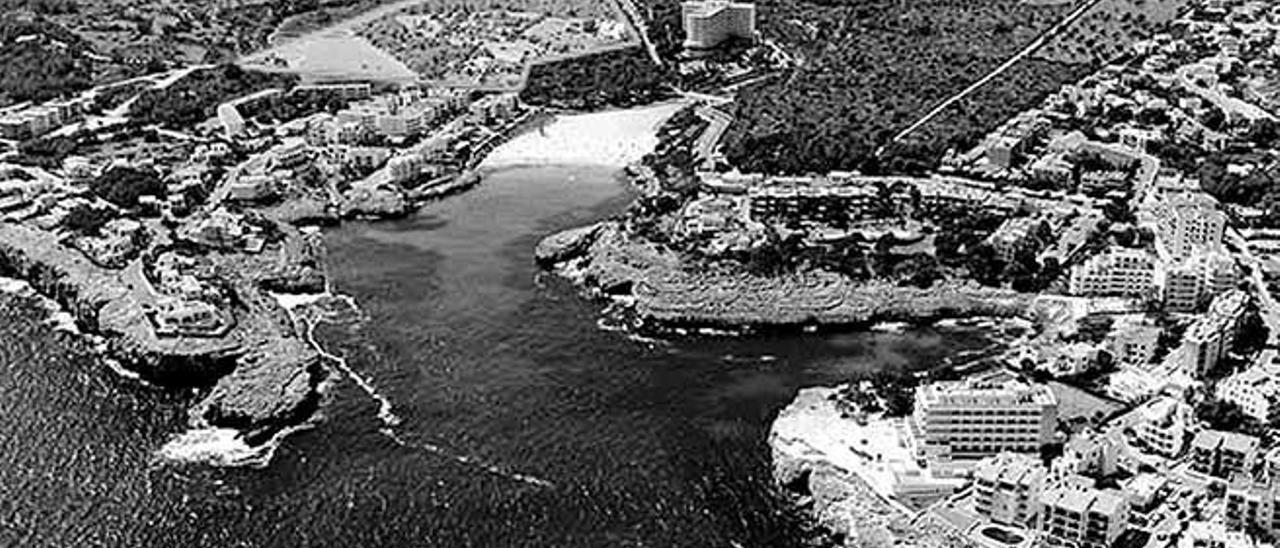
(976, 418)
(1071, 516)
(1006, 486)
(1117, 272)
(1224, 454)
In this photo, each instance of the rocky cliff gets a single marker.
(838, 499)
(669, 292)
(257, 378)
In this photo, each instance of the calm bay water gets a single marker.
(522, 423)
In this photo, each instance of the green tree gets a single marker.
(123, 185)
(84, 219)
(1221, 415)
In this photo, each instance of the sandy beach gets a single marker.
(613, 138)
(337, 55)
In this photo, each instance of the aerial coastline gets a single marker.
(1103, 174)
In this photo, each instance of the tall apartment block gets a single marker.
(1189, 222)
(1080, 517)
(1006, 486)
(1224, 454)
(709, 23)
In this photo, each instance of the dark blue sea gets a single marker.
(522, 423)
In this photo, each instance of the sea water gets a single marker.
(484, 406)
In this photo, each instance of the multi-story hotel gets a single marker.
(980, 417)
(811, 201)
(1117, 271)
(1224, 454)
(710, 23)
(1073, 516)
(1005, 146)
(405, 114)
(1006, 486)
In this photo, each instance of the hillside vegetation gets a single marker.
(41, 60)
(869, 68)
(196, 97)
(1107, 30)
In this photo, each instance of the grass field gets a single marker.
(1075, 404)
(338, 57)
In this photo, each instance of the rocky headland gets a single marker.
(257, 378)
(842, 501)
(665, 290)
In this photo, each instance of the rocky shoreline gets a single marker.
(841, 501)
(664, 291)
(262, 377)
(258, 378)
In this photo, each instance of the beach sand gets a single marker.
(612, 139)
(334, 56)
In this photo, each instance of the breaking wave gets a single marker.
(324, 311)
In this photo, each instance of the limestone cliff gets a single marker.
(839, 500)
(257, 378)
(668, 291)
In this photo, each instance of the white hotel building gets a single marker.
(975, 418)
(1117, 271)
(709, 23)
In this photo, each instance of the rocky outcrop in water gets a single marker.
(259, 377)
(377, 201)
(668, 291)
(564, 246)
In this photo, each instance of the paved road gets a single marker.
(631, 14)
(160, 81)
